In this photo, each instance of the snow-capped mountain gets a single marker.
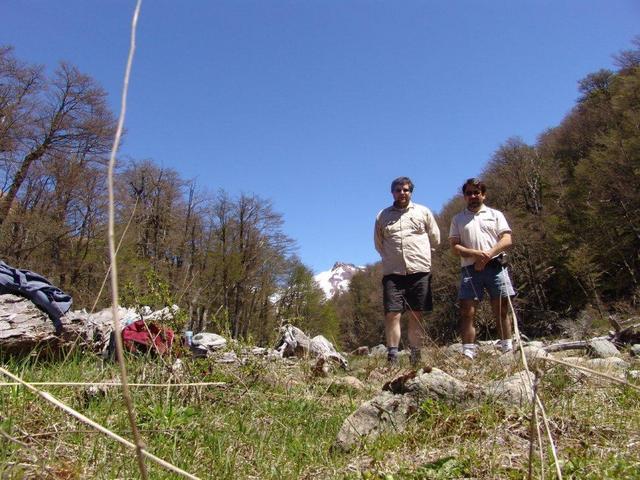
(337, 279)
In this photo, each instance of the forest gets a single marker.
(571, 199)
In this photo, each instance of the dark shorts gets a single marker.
(402, 292)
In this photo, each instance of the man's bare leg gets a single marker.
(416, 330)
(467, 315)
(467, 328)
(500, 308)
(416, 336)
(392, 332)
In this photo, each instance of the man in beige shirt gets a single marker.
(403, 236)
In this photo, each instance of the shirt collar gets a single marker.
(483, 208)
(411, 205)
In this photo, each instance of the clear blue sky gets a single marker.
(319, 104)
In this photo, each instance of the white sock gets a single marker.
(469, 350)
(506, 345)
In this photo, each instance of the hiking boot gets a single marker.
(392, 354)
(415, 357)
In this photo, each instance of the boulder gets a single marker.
(350, 381)
(319, 346)
(379, 351)
(531, 353)
(385, 412)
(390, 410)
(361, 351)
(454, 349)
(601, 348)
(293, 342)
(513, 390)
(610, 363)
(635, 350)
(205, 342)
(438, 385)
(227, 357)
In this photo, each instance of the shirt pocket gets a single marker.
(489, 226)
(416, 225)
(392, 228)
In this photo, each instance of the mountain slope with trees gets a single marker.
(571, 198)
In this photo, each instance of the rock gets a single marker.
(391, 411)
(361, 351)
(535, 343)
(385, 412)
(319, 346)
(350, 382)
(227, 357)
(321, 367)
(24, 328)
(379, 351)
(601, 348)
(208, 342)
(439, 385)
(532, 354)
(611, 363)
(513, 390)
(454, 349)
(635, 350)
(293, 342)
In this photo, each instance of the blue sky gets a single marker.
(318, 105)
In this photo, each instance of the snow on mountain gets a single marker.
(337, 279)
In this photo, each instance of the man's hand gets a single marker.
(482, 258)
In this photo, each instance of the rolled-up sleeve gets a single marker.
(432, 228)
(377, 235)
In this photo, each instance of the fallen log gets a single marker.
(563, 346)
(24, 327)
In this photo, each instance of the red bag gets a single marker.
(141, 337)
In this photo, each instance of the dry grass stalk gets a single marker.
(593, 372)
(533, 424)
(536, 398)
(114, 384)
(112, 253)
(11, 439)
(74, 413)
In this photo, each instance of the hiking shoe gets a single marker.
(392, 359)
(469, 353)
(505, 346)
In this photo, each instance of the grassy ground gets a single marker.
(275, 420)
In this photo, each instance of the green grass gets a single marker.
(274, 420)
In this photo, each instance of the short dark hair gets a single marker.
(402, 181)
(474, 182)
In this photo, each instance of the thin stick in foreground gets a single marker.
(112, 254)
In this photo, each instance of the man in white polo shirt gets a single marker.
(479, 235)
